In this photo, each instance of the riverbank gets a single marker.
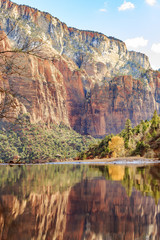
(119, 161)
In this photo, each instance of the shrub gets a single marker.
(140, 147)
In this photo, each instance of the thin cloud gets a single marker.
(126, 6)
(135, 43)
(103, 10)
(151, 2)
(156, 48)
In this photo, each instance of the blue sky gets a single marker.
(136, 22)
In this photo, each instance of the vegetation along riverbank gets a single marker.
(23, 142)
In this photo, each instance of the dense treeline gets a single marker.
(142, 140)
(27, 142)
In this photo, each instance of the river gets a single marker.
(77, 201)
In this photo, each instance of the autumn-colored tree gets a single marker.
(116, 146)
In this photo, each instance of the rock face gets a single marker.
(100, 56)
(121, 98)
(84, 79)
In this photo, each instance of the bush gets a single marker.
(127, 144)
(31, 142)
(154, 133)
(140, 147)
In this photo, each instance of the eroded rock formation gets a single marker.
(84, 79)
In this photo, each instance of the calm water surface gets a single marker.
(73, 202)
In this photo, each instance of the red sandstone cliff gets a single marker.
(74, 78)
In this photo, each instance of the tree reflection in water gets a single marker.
(79, 202)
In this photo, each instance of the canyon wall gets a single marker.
(84, 79)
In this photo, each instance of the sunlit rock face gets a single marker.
(99, 55)
(84, 79)
(39, 91)
(92, 209)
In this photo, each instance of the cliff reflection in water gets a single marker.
(79, 202)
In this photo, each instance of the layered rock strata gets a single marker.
(84, 79)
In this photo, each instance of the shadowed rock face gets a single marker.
(104, 109)
(121, 98)
(77, 84)
(95, 209)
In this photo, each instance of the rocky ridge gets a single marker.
(79, 77)
(91, 51)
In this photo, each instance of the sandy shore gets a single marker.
(119, 161)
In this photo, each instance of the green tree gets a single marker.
(128, 129)
(155, 121)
